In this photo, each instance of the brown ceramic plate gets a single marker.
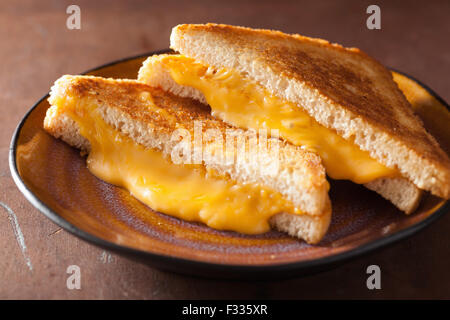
(54, 178)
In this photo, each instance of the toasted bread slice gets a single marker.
(124, 105)
(402, 193)
(341, 88)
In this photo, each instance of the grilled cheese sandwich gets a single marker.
(102, 117)
(334, 109)
(336, 102)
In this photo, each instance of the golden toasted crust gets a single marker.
(343, 88)
(130, 97)
(149, 116)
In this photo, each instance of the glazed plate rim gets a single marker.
(163, 259)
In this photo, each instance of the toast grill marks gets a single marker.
(341, 88)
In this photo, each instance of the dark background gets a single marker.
(36, 48)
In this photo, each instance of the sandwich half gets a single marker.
(336, 102)
(143, 139)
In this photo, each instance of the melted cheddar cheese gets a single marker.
(189, 192)
(245, 104)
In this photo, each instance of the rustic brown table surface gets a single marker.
(37, 48)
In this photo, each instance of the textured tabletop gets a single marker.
(37, 48)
